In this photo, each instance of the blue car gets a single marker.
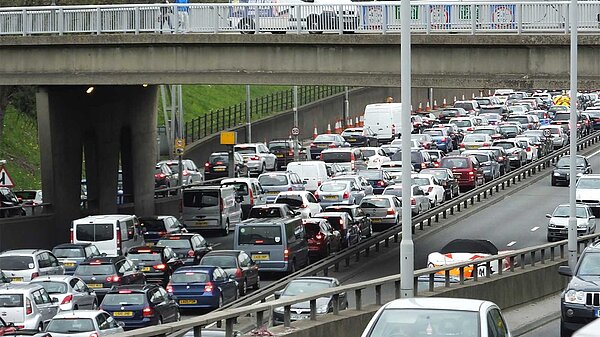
(202, 287)
(441, 138)
(139, 306)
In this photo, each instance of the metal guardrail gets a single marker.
(472, 17)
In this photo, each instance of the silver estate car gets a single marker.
(70, 291)
(27, 306)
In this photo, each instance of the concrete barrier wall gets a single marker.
(506, 291)
(27, 232)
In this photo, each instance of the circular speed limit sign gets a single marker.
(547, 133)
(295, 131)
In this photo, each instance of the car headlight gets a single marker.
(556, 174)
(551, 225)
(582, 226)
(573, 296)
(323, 309)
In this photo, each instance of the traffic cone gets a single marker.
(444, 103)
(427, 107)
(338, 126)
(350, 122)
(420, 108)
(315, 133)
(454, 99)
(435, 106)
(473, 95)
(362, 120)
(356, 122)
(463, 97)
(328, 128)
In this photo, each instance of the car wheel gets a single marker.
(159, 322)
(41, 327)
(225, 231)
(292, 267)
(220, 304)
(243, 288)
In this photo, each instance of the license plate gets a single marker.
(201, 223)
(297, 317)
(273, 192)
(123, 313)
(94, 285)
(69, 264)
(220, 169)
(375, 220)
(331, 197)
(146, 269)
(260, 257)
(188, 301)
(322, 145)
(149, 244)
(279, 155)
(17, 279)
(351, 139)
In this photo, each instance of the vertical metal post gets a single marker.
(248, 117)
(296, 145)
(572, 234)
(406, 245)
(346, 104)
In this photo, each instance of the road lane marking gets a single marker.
(510, 244)
(535, 228)
(593, 154)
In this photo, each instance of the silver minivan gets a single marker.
(249, 192)
(274, 244)
(275, 182)
(27, 306)
(23, 265)
(211, 207)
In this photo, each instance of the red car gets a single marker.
(6, 330)
(466, 170)
(322, 238)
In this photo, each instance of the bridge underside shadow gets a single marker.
(96, 134)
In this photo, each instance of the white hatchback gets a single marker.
(83, 323)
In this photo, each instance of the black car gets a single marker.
(594, 116)
(449, 113)
(189, 247)
(237, 264)
(155, 227)
(283, 149)
(579, 301)
(361, 136)
(379, 179)
(70, 255)
(9, 204)
(357, 215)
(342, 222)
(419, 159)
(217, 166)
(326, 141)
(139, 306)
(447, 179)
(157, 263)
(272, 211)
(104, 273)
(560, 173)
(321, 237)
(164, 177)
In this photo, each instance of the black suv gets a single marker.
(157, 263)
(10, 202)
(283, 149)
(103, 273)
(580, 301)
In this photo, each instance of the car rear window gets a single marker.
(312, 229)
(368, 153)
(54, 287)
(375, 203)
(562, 117)
(174, 166)
(16, 262)
(279, 146)
(72, 252)
(449, 113)
(222, 261)
(505, 145)
(370, 174)
(434, 132)
(265, 212)
(95, 269)
(291, 200)
(200, 198)
(520, 119)
(124, 299)
(454, 163)
(174, 243)
(241, 188)
(259, 235)
(153, 225)
(466, 106)
(145, 257)
(218, 159)
(336, 157)
(273, 180)
(333, 186)
(245, 149)
(11, 300)
(26, 194)
(190, 277)
(70, 325)
(482, 158)
(94, 232)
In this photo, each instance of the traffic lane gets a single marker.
(551, 329)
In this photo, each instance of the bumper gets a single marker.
(561, 178)
(378, 190)
(254, 166)
(159, 278)
(278, 266)
(467, 183)
(202, 301)
(581, 315)
(375, 222)
(136, 323)
(334, 202)
(556, 233)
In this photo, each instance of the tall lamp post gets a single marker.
(572, 234)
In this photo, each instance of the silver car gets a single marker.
(191, 173)
(339, 192)
(419, 201)
(83, 323)
(27, 264)
(360, 181)
(275, 182)
(382, 209)
(27, 306)
(70, 292)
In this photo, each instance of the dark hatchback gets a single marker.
(378, 179)
(140, 306)
(357, 215)
(155, 227)
(326, 141)
(157, 263)
(103, 273)
(419, 159)
(321, 237)
(217, 166)
(341, 222)
(362, 136)
(237, 264)
(70, 255)
(466, 170)
(189, 247)
(283, 149)
(560, 172)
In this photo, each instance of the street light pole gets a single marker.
(248, 117)
(296, 149)
(572, 234)
(406, 245)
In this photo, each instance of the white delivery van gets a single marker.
(312, 172)
(111, 234)
(384, 120)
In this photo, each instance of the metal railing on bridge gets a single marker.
(513, 17)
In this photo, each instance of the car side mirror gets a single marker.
(277, 294)
(548, 216)
(239, 199)
(565, 271)
(374, 134)
(304, 182)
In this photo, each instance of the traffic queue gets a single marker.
(121, 272)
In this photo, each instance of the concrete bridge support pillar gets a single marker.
(109, 127)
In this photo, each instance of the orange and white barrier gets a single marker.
(427, 107)
(444, 103)
(435, 106)
(315, 132)
(361, 120)
(328, 128)
(420, 108)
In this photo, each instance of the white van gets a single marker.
(384, 120)
(313, 172)
(112, 234)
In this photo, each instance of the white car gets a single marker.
(257, 157)
(530, 149)
(587, 190)
(83, 323)
(431, 186)
(374, 156)
(301, 201)
(70, 292)
(558, 225)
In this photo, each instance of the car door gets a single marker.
(80, 298)
(260, 197)
(313, 204)
(43, 262)
(45, 305)
(107, 325)
(227, 285)
(249, 268)
(55, 267)
(496, 325)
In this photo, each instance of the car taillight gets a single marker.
(319, 236)
(485, 144)
(67, 299)
(71, 235)
(443, 139)
(316, 196)
(160, 175)
(528, 148)
(393, 129)
(191, 253)
(471, 173)
(255, 158)
(380, 183)
(251, 196)
(462, 145)
(169, 288)
(423, 165)
(238, 273)
(332, 145)
(430, 189)
(390, 211)
(113, 278)
(426, 145)
(94, 334)
(346, 195)
(28, 308)
(286, 254)
(186, 173)
(162, 233)
(304, 206)
(470, 129)
(161, 266)
(436, 164)
(290, 188)
(319, 183)
(500, 158)
(147, 312)
(34, 275)
(208, 288)
(312, 145)
(118, 238)
(413, 201)
(290, 153)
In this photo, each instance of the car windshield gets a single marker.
(375, 203)
(336, 157)
(54, 287)
(461, 123)
(302, 287)
(174, 243)
(273, 180)
(589, 265)
(591, 183)
(259, 235)
(71, 252)
(245, 149)
(563, 212)
(125, 298)
(426, 322)
(11, 300)
(144, 257)
(95, 269)
(291, 200)
(222, 261)
(70, 325)
(198, 276)
(334, 186)
(16, 262)
(566, 162)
